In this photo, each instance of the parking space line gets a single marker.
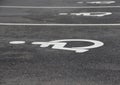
(31, 24)
(69, 7)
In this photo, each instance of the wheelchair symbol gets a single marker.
(60, 44)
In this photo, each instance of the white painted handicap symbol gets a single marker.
(88, 14)
(101, 2)
(60, 44)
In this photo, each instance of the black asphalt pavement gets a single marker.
(29, 64)
(53, 16)
(53, 2)
(25, 63)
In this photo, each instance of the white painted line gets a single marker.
(17, 42)
(63, 13)
(69, 7)
(80, 2)
(31, 24)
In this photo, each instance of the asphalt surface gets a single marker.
(52, 2)
(45, 16)
(28, 64)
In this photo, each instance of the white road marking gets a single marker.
(60, 44)
(80, 2)
(31, 24)
(17, 42)
(91, 14)
(101, 2)
(63, 13)
(60, 7)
